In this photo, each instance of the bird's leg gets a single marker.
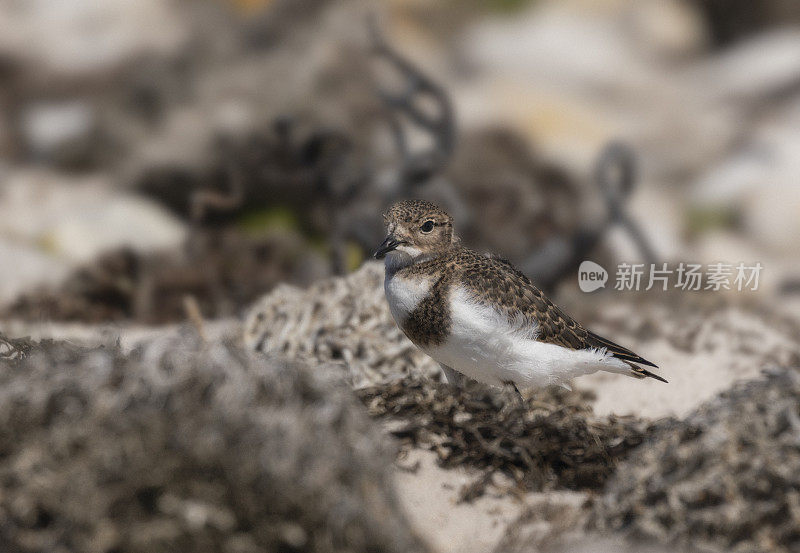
(512, 384)
(454, 378)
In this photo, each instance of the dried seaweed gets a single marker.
(725, 479)
(343, 320)
(545, 442)
(224, 271)
(185, 447)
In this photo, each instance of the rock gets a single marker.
(145, 227)
(61, 132)
(24, 267)
(570, 79)
(77, 218)
(669, 29)
(343, 320)
(537, 68)
(86, 36)
(725, 479)
(765, 65)
(757, 184)
(178, 447)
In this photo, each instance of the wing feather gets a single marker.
(495, 281)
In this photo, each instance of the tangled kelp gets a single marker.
(185, 448)
(548, 441)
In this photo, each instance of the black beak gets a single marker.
(388, 245)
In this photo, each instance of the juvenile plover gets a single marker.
(480, 317)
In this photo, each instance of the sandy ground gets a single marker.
(429, 493)
(693, 379)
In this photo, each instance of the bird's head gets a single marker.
(416, 231)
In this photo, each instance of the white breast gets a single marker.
(485, 345)
(404, 294)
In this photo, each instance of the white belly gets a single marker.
(404, 294)
(483, 344)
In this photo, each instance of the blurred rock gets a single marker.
(757, 183)
(761, 67)
(344, 320)
(61, 133)
(180, 447)
(84, 37)
(50, 223)
(669, 29)
(725, 479)
(771, 218)
(23, 268)
(76, 219)
(569, 78)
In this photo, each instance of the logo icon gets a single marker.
(591, 276)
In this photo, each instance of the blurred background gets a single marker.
(218, 148)
(223, 163)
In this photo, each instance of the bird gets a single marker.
(481, 318)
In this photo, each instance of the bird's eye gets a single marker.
(427, 226)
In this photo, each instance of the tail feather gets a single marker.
(624, 354)
(644, 373)
(617, 350)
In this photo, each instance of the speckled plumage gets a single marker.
(495, 281)
(413, 210)
(431, 268)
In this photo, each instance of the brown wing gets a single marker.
(496, 281)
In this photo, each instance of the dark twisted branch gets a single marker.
(417, 167)
(615, 176)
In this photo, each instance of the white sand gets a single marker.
(429, 496)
